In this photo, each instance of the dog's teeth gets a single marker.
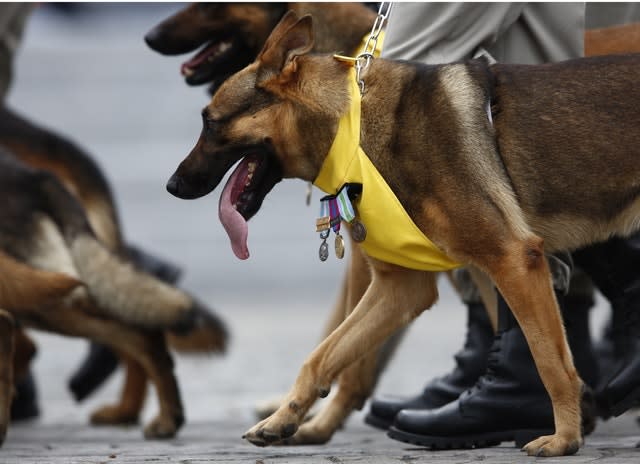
(251, 167)
(249, 177)
(187, 72)
(224, 46)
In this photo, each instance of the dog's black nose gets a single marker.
(173, 185)
(152, 38)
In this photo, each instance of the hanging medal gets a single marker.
(336, 219)
(322, 226)
(333, 210)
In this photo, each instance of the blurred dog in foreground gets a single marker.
(34, 152)
(488, 162)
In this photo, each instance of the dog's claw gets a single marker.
(272, 430)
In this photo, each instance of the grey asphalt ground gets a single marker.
(92, 78)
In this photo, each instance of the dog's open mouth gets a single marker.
(242, 197)
(204, 66)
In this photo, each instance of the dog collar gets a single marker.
(391, 234)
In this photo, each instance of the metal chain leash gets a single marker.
(364, 58)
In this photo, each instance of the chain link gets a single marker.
(364, 58)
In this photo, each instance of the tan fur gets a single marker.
(99, 213)
(127, 410)
(201, 340)
(461, 94)
(128, 294)
(23, 287)
(582, 231)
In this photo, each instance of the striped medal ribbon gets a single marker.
(333, 210)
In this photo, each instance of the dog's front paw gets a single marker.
(161, 427)
(552, 445)
(270, 431)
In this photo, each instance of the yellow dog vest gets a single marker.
(391, 234)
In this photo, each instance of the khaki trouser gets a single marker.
(12, 20)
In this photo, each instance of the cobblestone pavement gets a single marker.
(91, 77)
(219, 443)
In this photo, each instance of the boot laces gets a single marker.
(493, 360)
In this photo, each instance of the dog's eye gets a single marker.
(207, 122)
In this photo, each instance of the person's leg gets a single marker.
(614, 267)
(470, 363)
(508, 402)
(13, 17)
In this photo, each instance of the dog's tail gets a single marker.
(113, 281)
(207, 335)
(23, 286)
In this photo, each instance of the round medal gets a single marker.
(339, 246)
(324, 251)
(358, 231)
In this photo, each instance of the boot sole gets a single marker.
(482, 440)
(377, 422)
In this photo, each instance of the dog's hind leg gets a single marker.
(146, 347)
(522, 276)
(127, 410)
(395, 297)
(7, 334)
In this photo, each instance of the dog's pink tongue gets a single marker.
(233, 222)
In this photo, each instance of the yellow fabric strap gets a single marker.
(391, 234)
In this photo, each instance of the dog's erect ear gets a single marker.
(290, 38)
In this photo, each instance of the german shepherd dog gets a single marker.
(495, 164)
(46, 152)
(231, 36)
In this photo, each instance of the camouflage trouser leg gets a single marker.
(566, 279)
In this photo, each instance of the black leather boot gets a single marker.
(508, 403)
(575, 310)
(471, 362)
(614, 267)
(101, 361)
(98, 365)
(620, 391)
(25, 403)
